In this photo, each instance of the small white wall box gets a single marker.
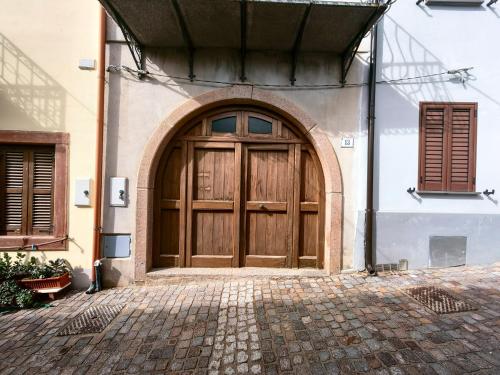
(82, 192)
(347, 142)
(116, 245)
(118, 192)
(86, 64)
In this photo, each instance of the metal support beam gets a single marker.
(133, 44)
(350, 52)
(243, 32)
(187, 38)
(298, 41)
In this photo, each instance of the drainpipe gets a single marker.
(369, 214)
(96, 251)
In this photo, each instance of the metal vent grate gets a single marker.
(92, 320)
(439, 300)
(387, 267)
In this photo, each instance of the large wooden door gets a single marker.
(269, 186)
(213, 202)
(239, 188)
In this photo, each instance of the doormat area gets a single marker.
(92, 320)
(439, 300)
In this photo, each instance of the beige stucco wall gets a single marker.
(137, 107)
(42, 89)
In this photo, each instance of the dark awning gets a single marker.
(281, 25)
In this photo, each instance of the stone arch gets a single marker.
(248, 95)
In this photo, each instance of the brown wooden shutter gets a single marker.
(42, 186)
(26, 190)
(13, 190)
(447, 147)
(462, 149)
(433, 143)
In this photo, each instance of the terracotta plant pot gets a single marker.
(48, 283)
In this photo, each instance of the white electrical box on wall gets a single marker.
(118, 192)
(82, 192)
(347, 142)
(86, 64)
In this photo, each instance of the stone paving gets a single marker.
(267, 325)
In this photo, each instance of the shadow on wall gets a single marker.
(26, 90)
(403, 56)
(80, 278)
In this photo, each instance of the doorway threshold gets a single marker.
(157, 274)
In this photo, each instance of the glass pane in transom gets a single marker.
(259, 126)
(224, 125)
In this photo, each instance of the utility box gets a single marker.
(116, 245)
(82, 192)
(118, 192)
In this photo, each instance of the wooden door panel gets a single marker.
(169, 211)
(213, 233)
(212, 208)
(309, 215)
(267, 233)
(268, 205)
(213, 174)
(169, 238)
(267, 175)
(310, 187)
(170, 186)
(308, 244)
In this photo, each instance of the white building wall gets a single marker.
(425, 40)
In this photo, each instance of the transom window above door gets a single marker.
(241, 125)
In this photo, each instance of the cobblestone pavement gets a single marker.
(308, 325)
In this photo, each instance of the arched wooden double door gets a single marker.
(239, 187)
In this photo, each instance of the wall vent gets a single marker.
(387, 267)
(447, 251)
(455, 2)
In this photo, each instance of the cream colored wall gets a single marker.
(48, 38)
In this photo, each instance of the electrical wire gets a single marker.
(119, 68)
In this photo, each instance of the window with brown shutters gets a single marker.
(448, 147)
(27, 190)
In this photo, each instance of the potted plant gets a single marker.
(54, 275)
(11, 293)
(21, 278)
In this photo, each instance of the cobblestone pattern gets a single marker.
(327, 325)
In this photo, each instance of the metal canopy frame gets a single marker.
(135, 47)
(298, 40)
(243, 33)
(187, 38)
(347, 57)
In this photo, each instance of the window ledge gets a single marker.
(462, 193)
